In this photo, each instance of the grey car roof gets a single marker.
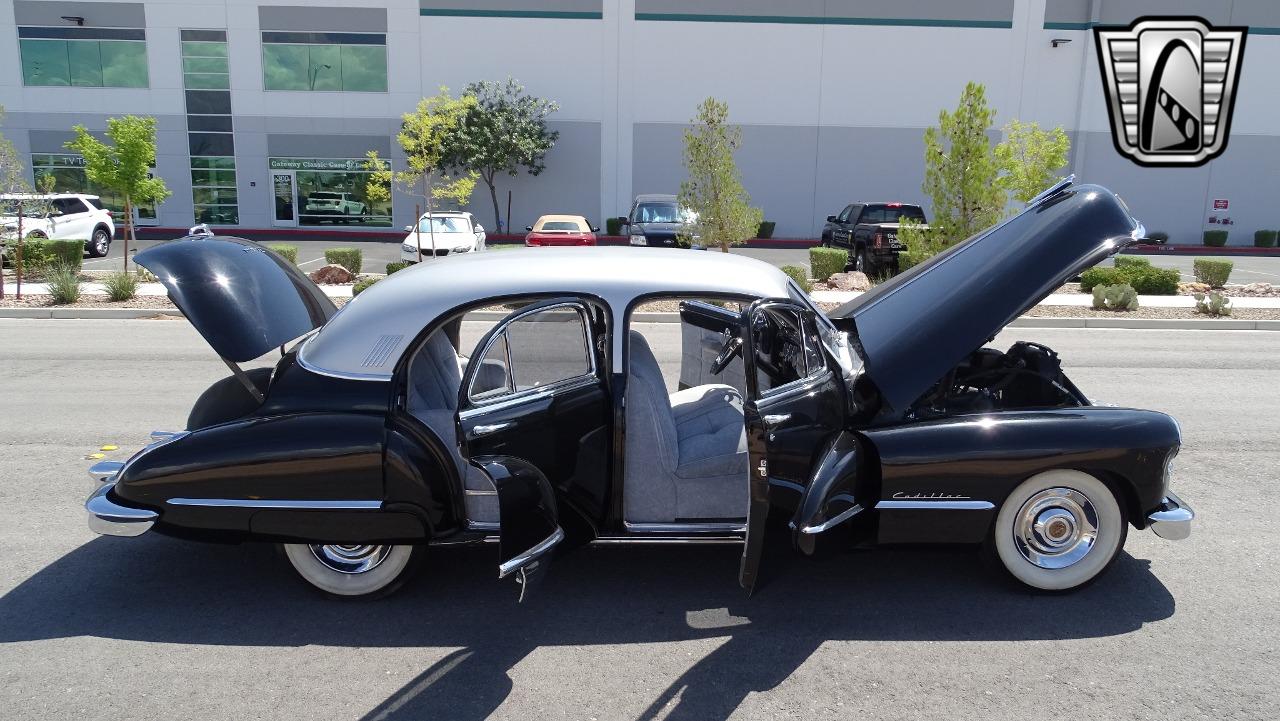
(655, 197)
(370, 334)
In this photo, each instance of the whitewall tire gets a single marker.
(355, 570)
(1059, 530)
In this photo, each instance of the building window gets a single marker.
(213, 190)
(334, 191)
(206, 78)
(68, 174)
(83, 57)
(349, 62)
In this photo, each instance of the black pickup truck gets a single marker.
(869, 231)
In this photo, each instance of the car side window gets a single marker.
(844, 214)
(73, 205)
(97, 203)
(536, 350)
(783, 355)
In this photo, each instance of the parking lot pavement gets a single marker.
(154, 628)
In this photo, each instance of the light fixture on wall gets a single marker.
(74, 19)
(1059, 41)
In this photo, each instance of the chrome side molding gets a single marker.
(914, 505)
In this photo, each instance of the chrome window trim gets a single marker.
(900, 505)
(796, 387)
(287, 504)
(588, 347)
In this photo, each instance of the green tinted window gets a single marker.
(364, 68)
(209, 81)
(124, 64)
(224, 178)
(325, 67)
(217, 214)
(214, 162)
(213, 196)
(284, 67)
(85, 59)
(204, 50)
(44, 62)
(204, 65)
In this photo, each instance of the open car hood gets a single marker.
(922, 323)
(244, 299)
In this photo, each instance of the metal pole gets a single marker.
(17, 263)
(417, 228)
(509, 230)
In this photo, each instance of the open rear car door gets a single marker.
(795, 411)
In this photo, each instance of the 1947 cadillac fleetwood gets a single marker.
(381, 433)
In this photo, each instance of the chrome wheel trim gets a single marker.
(101, 243)
(1056, 528)
(350, 558)
(860, 262)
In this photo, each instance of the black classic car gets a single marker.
(377, 435)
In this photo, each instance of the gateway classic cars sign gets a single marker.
(331, 164)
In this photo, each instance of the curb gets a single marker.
(495, 315)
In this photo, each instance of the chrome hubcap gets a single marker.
(350, 558)
(1056, 528)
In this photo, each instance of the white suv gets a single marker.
(61, 216)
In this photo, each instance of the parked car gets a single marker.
(381, 433)
(63, 216)
(869, 231)
(561, 230)
(440, 234)
(340, 207)
(657, 221)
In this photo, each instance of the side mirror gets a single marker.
(479, 228)
(831, 218)
(529, 228)
(595, 229)
(408, 229)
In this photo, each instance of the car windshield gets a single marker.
(657, 213)
(571, 226)
(449, 224)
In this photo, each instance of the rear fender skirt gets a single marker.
(943, 481)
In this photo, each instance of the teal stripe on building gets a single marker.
(543, 14)
(810, 20)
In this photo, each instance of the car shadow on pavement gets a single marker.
(162, 590)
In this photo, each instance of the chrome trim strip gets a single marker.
(671, 540)
(1172, 524)
(1053, 190)
(508, 402)
(469, 492)
(533, 554)
(483, 526)
(289, 504)
(166, 435)
(935, 505)
(108, 518)
(833, 522)
(685, 527)
(797, 387)
(104, 471)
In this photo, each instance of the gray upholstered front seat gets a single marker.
(686, 452)
(434, 381)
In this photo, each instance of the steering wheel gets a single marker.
(732, 347)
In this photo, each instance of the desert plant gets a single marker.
(1158, 236)
(1214, 303)
(613, 226)
(1215, 238)
(1029, 158)
(1213, 273)
(1131, 260)
(799, 275)
(713, 192)
(826, 262)
(349, 258)
(121, 286)
(765, 231)
(64, 284)
(288, 252)
(396, 265)
(361, 285)
(1101, 275)
(1151, 281)
(1121, 297)
(1265, 238)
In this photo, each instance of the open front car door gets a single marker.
(795, 411)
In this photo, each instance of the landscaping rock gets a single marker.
(853, 281)
(1191, 288)
(333, 275)
(1257, 289)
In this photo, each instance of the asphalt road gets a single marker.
(153, 628)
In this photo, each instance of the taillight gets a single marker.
(110, 214)
(879, 239)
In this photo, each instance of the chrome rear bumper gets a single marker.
(1172, 521)
(108, 518)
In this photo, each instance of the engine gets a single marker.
(1028, 375)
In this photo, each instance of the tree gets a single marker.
(721, 207)
(124, 166)
(13, 180)
(1029, 157)
(504, 131)
(425, 135)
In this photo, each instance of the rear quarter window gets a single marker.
(95, 202)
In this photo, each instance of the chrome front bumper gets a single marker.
(108, 518)
(1173, 519)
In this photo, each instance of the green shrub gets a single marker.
(1214, 273)
(396, 265)
(826, 262)
(799, 275)
(1151, 281)
(766, 229)
(613, 226)
(288, 252)
(1215, 304)
(64, 284)
(1115, 297)
(1100, 275)
(349, 258)
(1158, 237)
(1215, 238)
(1265, 238)
(121, 286)
(1123, 261)
(40, 255)
(361, 285)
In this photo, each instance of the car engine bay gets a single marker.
(1028, 375)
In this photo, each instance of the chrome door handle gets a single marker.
(484, 430)
(776, 419)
